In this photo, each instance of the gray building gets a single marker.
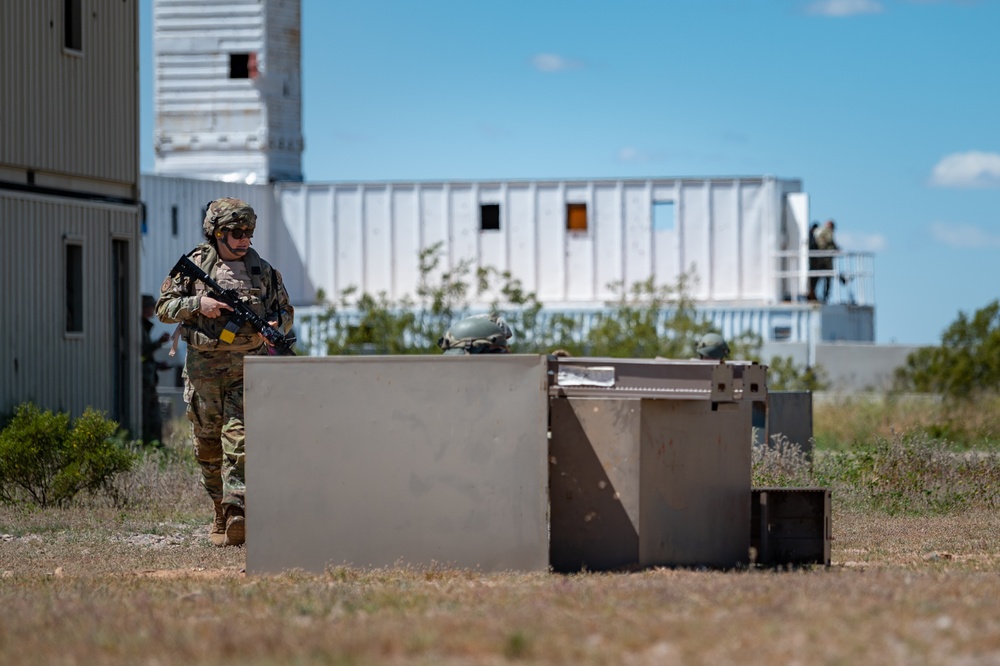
(69, 207)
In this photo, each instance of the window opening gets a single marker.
(664, 216)
(239, 65)
(173, 221)
(73, 24)
(782, 332)
(489, 217)
(74, 288)
(576, 217)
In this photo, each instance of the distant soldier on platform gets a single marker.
(825, 242)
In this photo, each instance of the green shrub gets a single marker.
(912, 474)
(46, 462)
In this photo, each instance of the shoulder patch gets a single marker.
(167, 283)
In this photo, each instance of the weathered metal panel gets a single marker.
(434, 219)
(697, 251)
(723, 279)
(406, 237)
(40, 361)
(464, 228)
(377, 461)
(70, 114)
(292, 254)
(609, 261)
(790, 419)
(523, 235)
(637, 232)
(756, 254)
(551, 233)
(321, 251)
(378, 239)
(348, 218)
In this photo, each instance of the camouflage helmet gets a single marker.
(475, 335)
(712, 345)
(226, 213)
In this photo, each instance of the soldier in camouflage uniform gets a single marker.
(214, 369)
(478, 334)
(712, 346)
(152, 422)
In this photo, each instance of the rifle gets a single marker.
(241, 314)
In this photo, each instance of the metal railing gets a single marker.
(851, 280)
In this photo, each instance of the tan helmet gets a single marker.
(227, 213)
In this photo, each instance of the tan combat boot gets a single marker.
(217, 532)
(236, 526)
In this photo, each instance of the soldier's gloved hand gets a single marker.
(212, 308)
(273, 324)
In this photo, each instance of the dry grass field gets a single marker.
(138, 583)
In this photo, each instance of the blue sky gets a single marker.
(887, 110)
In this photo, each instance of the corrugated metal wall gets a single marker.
(368, 235)
(68, 113)
(40, 361)
(332, 236)
(209, 124)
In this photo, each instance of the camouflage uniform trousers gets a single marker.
(214, 393)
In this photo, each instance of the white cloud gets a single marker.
(971, 169)
(854, 241)
(841, 8)
(636, 156)
(550, 62)
(964, 235)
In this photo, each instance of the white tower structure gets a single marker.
(228, 95)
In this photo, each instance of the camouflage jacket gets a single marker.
(267, 297)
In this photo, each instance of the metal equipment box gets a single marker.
(383, 460)
(791, 525)
(649, 462)
(790, 415)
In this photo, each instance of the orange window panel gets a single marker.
(576, 217)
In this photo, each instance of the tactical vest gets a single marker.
(204, 335)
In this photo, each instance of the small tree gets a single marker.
(45, 461)
(965, 364)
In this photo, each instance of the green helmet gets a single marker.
(227, 213)
(475, 335)
(712, 345)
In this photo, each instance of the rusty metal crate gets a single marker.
(790, 526)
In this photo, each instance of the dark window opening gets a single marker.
(782, 332)
(239, 65)
(173, 221)
(489, 217)
(74, 288)
(576, 217)
(73, 24)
